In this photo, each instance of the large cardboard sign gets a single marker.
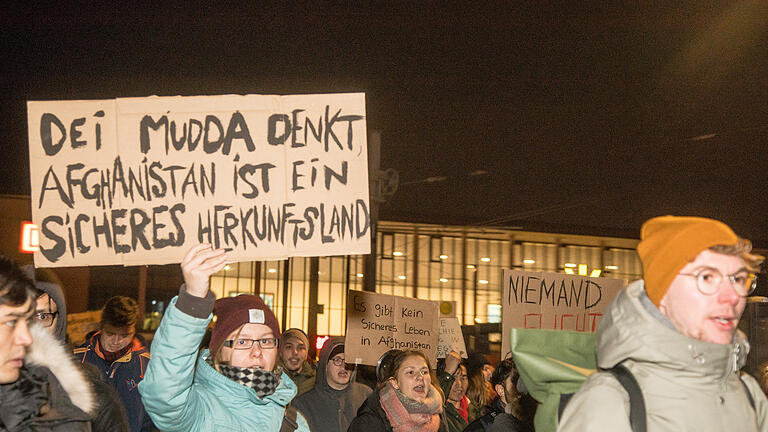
(377, 323)
(553, 301)
(141, 180)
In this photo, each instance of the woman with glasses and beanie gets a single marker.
(233, 385)
(406, 401)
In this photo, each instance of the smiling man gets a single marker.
(293, 360)
(334, 401)
(676, 332)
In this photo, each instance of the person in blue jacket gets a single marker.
(235, 384)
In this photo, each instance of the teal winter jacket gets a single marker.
(182, 392)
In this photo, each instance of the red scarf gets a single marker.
(417, 416)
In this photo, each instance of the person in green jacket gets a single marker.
(293, 360)
(235, 384)
(676, 332)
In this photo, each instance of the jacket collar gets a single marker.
(630, 329)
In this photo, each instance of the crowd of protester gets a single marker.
(249, 376)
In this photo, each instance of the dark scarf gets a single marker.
(23, 399)
(406, 414)
(262, 382)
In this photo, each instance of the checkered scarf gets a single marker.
(262, 382)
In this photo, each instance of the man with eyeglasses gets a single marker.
(676, 333)
(333, 402)
(51, 315)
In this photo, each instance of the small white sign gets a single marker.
(256, 316)
(451, 338)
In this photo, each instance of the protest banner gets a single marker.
(451, 338)
(140, 180)
(377, 323)
(553, 301)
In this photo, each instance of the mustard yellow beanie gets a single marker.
(668, 243)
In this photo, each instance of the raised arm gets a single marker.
(166, 388)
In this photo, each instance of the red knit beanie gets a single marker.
(232, 312)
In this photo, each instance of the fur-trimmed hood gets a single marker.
(53, 354)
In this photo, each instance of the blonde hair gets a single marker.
(742, 249)
(217, 358)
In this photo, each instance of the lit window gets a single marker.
(29, 241)
(485, 259)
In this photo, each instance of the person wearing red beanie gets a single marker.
(236, 384)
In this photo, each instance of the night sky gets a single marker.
(573, 117)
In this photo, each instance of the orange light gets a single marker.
(321, 340)
(29, 240)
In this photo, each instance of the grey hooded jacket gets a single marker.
(687, 384)
(326, 409)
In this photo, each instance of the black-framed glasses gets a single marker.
(338, 361)
(244, 344)
(708, 281)
(45, 319)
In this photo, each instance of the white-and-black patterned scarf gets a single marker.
(262, 381)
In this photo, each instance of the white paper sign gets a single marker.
(451, 338)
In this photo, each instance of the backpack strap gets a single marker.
(636, 402)
(289, 420)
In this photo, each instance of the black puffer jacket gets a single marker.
(371, 417)
(37, 402)
(54, 394)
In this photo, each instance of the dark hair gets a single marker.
(15, 287)
(505, 369)
(120, 311)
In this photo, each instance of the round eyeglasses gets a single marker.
(338, 361)
(708, 281)
(244, 344)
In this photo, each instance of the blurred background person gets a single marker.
(293, 360)
(479, 391)
(120, 357)
(333, 403)
(452, 375)
(51, 315)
